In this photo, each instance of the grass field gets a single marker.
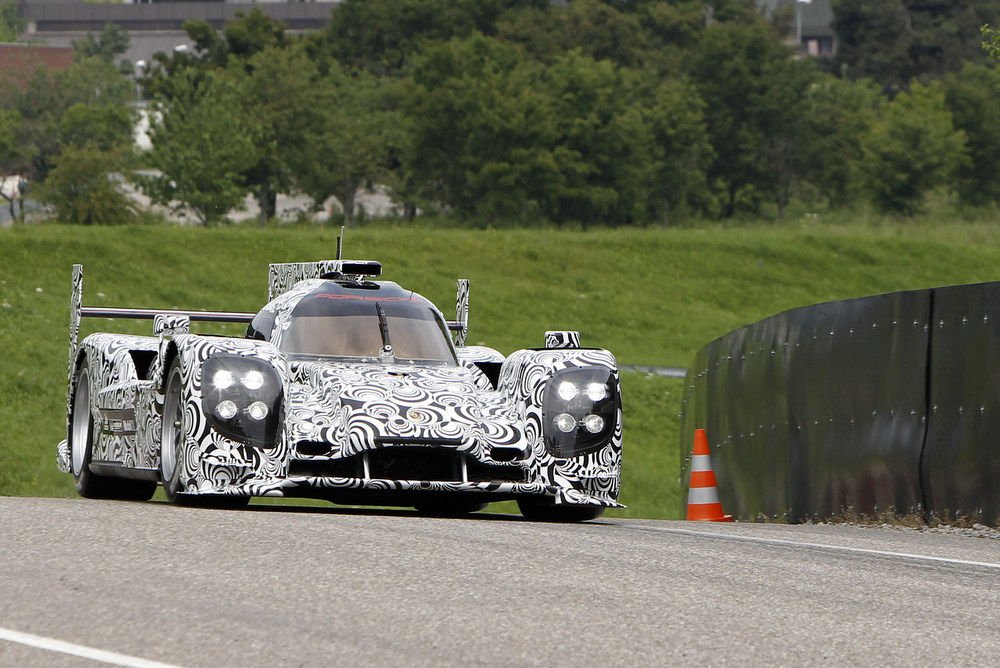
(652, 296)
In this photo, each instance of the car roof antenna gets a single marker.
(340, 242)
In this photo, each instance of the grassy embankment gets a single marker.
(652, 296)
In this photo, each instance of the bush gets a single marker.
(83, 188)
(974, 100)
(912, 149)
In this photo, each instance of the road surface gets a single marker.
(150, 582)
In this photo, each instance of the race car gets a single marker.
(344, 388)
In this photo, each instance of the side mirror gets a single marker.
(562, 339)
(171, 325)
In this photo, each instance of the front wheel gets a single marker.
(173, 440)
(547, 511)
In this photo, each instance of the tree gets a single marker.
(12, 24)
(84, 190)
(201, 147)
(673, 30)
(251, 33)
(107, 127)
(483, 135)
(837, 114)
(912, 149)
(348, 145)
(83, 107)
(681, 149)
(111, 42)
(45, 97)
(277, 100)
(753, 92)
(608, 180)
(785, 127)
(603, 33)
(247, 34)
(280, 104)
(12, 161)
(381, 36)
(991, 42)
(596, 28)
(974, 100)
(894, 41)
(501, 137)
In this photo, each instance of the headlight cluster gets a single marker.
(242, 398)
(580, 410)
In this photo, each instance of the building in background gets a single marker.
(812, 22)
(154, 26)
(24, 58)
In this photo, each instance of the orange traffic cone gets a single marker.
(703, 497)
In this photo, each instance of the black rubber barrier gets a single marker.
(881, 405)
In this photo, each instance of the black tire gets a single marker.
(547, 511)
(81, 444)
(172, 433)
(445, 507)
(171, 447)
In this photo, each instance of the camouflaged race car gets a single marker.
(347, 389)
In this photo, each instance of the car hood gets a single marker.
(357, 406)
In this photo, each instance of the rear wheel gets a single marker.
(547, 511)
(81, 437)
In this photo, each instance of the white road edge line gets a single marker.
(53, 645)
(817, 546)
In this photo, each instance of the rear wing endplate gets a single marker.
(460, 325)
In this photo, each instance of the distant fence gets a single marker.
(886, 404)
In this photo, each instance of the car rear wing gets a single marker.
(163, 318)
(281, 278)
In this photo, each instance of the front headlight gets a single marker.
(580, 411)
(242, 398)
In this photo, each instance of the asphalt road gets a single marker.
(272, 585)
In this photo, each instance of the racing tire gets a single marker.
(172, 433)
(172, 449)
(547, 511)
(81, 445)
(448, 507)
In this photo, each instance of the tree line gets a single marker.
(611, 112)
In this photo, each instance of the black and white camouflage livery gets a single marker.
(540, 426)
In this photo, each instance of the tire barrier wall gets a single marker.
(881, 405)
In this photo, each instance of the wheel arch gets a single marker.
(189, 352)
(524, 378)
(169, 356)
(74, 373)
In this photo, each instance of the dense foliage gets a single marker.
(590, 112)
(895, 41)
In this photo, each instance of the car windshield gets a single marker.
(416, 333)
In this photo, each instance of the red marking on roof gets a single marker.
(360, 298)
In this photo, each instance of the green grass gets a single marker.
(652, 296)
